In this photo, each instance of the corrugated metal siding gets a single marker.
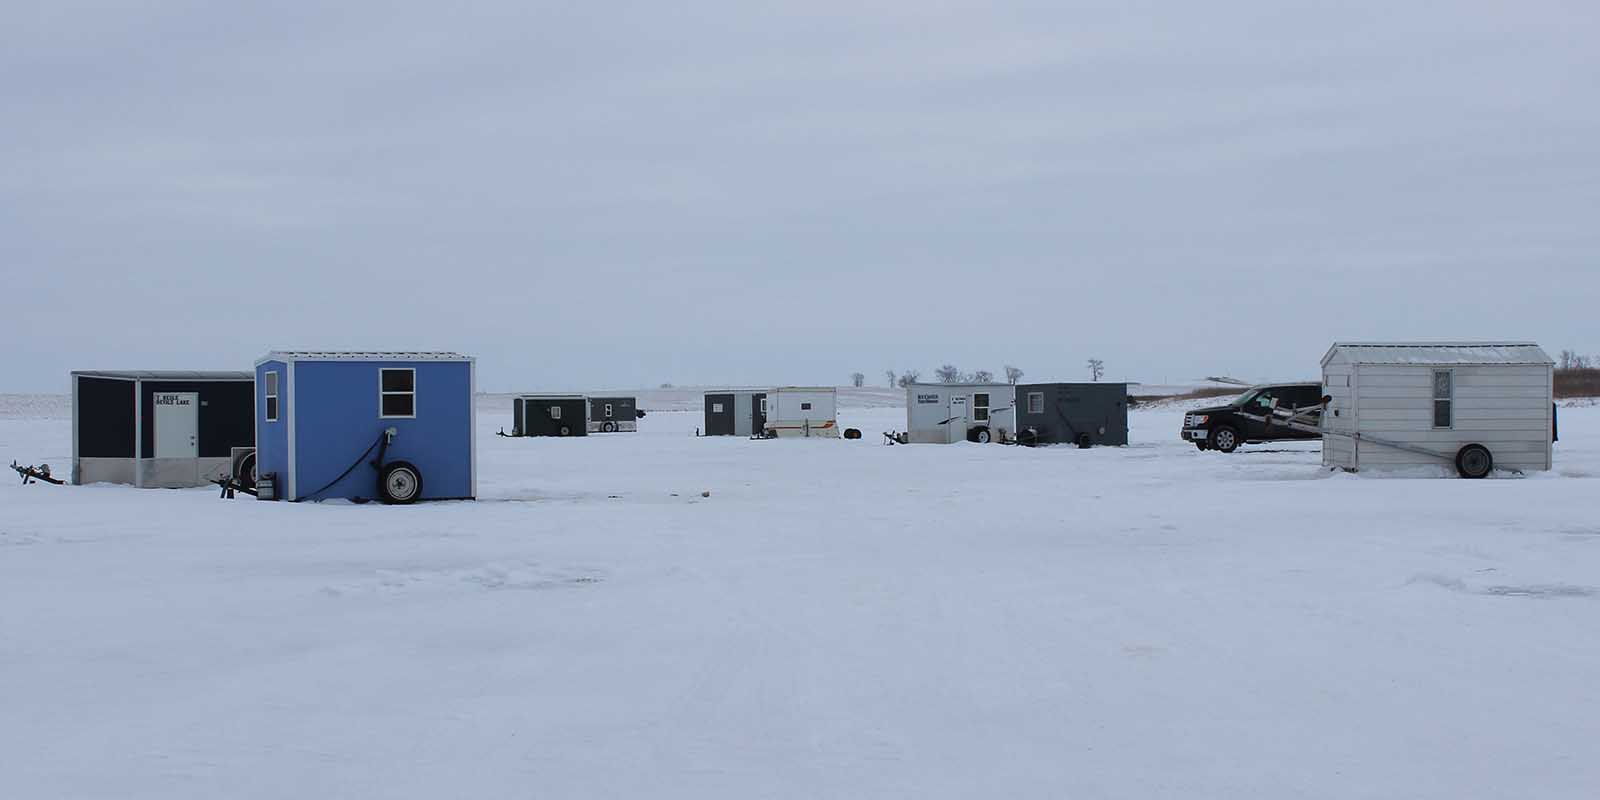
(1505, 408)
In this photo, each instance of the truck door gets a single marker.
(1253, 416)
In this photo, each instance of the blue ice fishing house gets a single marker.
(396, 427)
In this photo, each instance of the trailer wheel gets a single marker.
(608, 427)
(980, 435)
(245, 476)
(401, 483)
(1474, 461)
(564, 431)
(1225, 439)
(1084, 441)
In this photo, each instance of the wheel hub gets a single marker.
(402, 484)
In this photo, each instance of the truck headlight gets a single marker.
(1200, 419)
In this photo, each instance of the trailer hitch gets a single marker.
(36, 473)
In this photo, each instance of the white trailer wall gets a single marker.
(1506, 407)
(1338, 382)
(803, 412)
(944, 413)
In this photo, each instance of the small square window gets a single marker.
(608, 410)
(1035, 402)
(555, 412)
(763, 405)
(397, 392)
(805, 406)
(399, 380)
(399, 405)
(716, 408)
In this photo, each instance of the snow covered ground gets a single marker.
(838, 619)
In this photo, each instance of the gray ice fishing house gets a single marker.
(166, 429)
(1477, 406)
(1084, 414)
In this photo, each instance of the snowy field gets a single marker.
(837, 620)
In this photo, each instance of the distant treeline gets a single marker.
(1578, 382)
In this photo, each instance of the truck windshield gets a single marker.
(1244, 399)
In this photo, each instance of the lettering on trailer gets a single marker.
(927, 399)
(173, 400)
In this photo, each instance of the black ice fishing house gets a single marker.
(169, 429)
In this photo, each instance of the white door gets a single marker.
(956, 428)
(177, 425)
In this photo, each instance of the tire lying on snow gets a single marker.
(1474, 461)
(400, 483)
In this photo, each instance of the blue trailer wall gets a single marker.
(272, 438)
(336, 418)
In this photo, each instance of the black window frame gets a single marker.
(385, 393)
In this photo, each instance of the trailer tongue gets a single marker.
(36, 473)
(1471, 461)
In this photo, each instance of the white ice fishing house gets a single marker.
(802, 411)
(942, 413)
(1476, 406)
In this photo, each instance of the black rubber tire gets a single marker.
(1225, 439)
(564, 431)
(1084, 441)
(399, 483)
(245, 475)
(608, 427)
(1202, 446)
(1474, 461)
(980, 435)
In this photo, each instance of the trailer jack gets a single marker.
(36, 473)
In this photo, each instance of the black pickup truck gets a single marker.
(1244, 421)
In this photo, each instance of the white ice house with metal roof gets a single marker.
(1477, 406)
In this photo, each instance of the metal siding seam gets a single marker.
(294, 422)
(138, 435)
(472, 424)
(75, 402)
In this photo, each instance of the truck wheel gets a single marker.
(1474, 461)
(981, 436)
(400, 483)
(1225, 439)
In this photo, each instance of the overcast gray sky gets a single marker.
(621, 194)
